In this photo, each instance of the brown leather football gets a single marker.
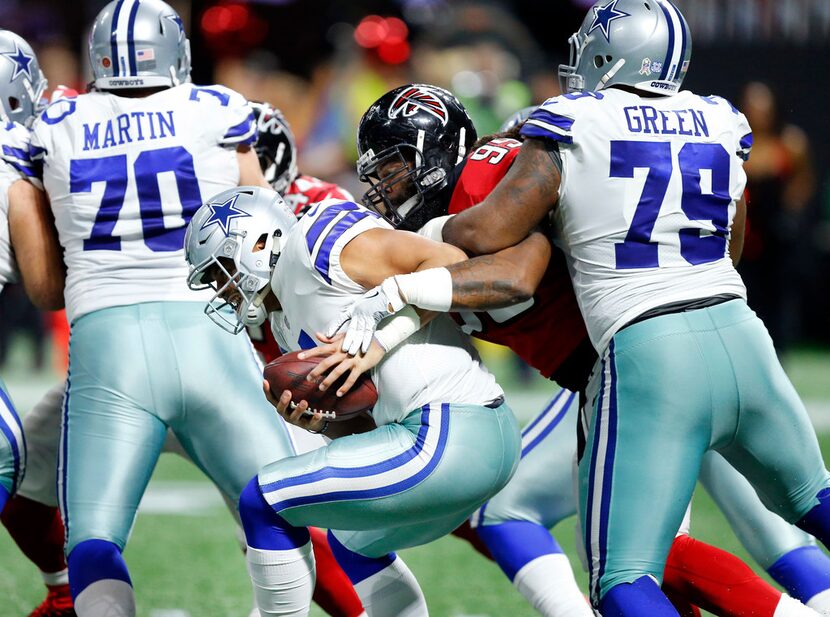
(288, 372)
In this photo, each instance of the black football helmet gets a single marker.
(275, 147)
(409, 141)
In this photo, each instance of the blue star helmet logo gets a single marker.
(20, 60)
(178, 21)
(221, 214)
(604, 15)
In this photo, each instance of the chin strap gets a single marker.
(610, 74)
(257, 314)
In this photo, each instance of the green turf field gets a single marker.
(185, 560)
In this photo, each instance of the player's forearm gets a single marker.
(736, 235)
(513, 209)
(468, 231)
(486, 283)
(36, 245)
(442, 255)
(250, 173)
(482, 283)
(506, 278)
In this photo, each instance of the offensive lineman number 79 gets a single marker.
(638, 250)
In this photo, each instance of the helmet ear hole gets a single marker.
(646, 4)
(260, 243)
(599, 61)
(608, 59)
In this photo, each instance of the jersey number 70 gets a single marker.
(638, 250)
(112, 170)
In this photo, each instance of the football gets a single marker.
(288, 372)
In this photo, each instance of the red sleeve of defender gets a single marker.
(483, 170)
(307, 190)
(264, 342)
(549, 329)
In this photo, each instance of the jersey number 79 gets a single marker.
(638, 250)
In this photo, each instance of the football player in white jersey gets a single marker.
(540, 494)
(645, 183)
(28, 247)
(125, 167)
(26, 228)
(445, 441)
(31, 517)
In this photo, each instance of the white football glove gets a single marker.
(364, 315)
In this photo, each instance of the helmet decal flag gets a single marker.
(415, 99)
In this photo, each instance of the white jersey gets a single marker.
(437, 364)
(14, 165)
(124, 176)
(648, 194)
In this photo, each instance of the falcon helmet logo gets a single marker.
(415, 99)
(268, 123)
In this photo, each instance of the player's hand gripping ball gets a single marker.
(288, 372)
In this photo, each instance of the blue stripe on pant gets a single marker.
(404, 483)
(273, 491)
(671, 388)
(541, 491)
(608, 464)
(135, 371)
(588, 507)
(62, 458)
(12, 444)
(514, 524)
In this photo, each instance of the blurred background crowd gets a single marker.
(323, 62)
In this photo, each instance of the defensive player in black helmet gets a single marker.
(410, 142)
(548, 332)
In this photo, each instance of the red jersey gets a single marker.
(300, 196)
(308, 190)
(545, 330)
(264, 342)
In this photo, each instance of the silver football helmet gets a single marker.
(645, 44)
(237, 235)
(517, 118)
(138, 44)
(22, 83)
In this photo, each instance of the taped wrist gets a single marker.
(429, 289)
(398, 328)
(434, 228)
(393, 295)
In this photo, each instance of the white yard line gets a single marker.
(180, 498)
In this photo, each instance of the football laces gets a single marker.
(327, 415)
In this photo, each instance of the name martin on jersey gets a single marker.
(129, 127)
(647, 119)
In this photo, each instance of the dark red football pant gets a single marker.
(717, 581)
